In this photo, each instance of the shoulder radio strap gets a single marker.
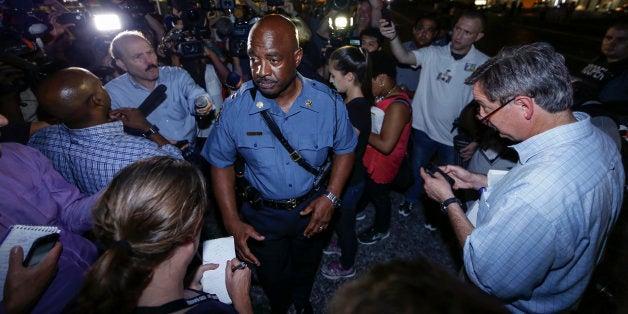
(294, 155)
(272, 125)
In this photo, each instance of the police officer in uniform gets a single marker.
(282, 233)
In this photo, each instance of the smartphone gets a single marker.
(386, 14)
(40, 248)
(432, 168)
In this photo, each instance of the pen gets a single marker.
(242, 265)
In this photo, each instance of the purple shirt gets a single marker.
(33, 193)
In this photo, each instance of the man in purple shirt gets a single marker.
(33, 193)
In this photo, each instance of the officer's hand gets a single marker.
(241, 233)
(322, 210)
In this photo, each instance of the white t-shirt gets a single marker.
(442, 94)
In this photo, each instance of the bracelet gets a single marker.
(394, 38)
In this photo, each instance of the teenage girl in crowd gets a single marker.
(349, 72)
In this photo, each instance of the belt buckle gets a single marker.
(292, 203)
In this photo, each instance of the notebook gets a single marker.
(24, 236)
(217, 251)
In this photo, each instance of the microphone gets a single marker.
(153, 100)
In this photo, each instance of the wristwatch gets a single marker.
(152, 130)
(447, 202)
(335, 200)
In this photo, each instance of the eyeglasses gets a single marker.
(484, 119)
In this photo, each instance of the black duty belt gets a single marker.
(288, 204)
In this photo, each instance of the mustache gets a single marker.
(264, 80)
(150, 67)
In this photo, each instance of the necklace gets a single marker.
(380, 98)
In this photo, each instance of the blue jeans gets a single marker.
(345, 224)
(423, 150)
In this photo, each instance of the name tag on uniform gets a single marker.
(253, 133)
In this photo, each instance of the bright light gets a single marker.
(341, 22)
(107, 22)
(480, 2)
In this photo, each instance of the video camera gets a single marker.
(238, 38)
(338, 39)
(341, 28)
(187, 42)
(32, 74)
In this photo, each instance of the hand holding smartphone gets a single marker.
(386, 15)
(40, 248)
(432, 168)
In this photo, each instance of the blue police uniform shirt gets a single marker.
(175, 116)
(311, 126)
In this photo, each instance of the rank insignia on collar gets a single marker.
(259, 105)
(308, 103)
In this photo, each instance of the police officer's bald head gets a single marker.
(274, 56)
(279, 27)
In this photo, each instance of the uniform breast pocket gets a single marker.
(259, 151)
(314, 147)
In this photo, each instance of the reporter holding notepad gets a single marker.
(149, 219)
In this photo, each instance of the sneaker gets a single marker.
(429, 227)
(360, 216)
(334, 270)
(332, 248)
(371, 236)
(405, 208)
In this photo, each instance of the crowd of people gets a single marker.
(289, 131)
